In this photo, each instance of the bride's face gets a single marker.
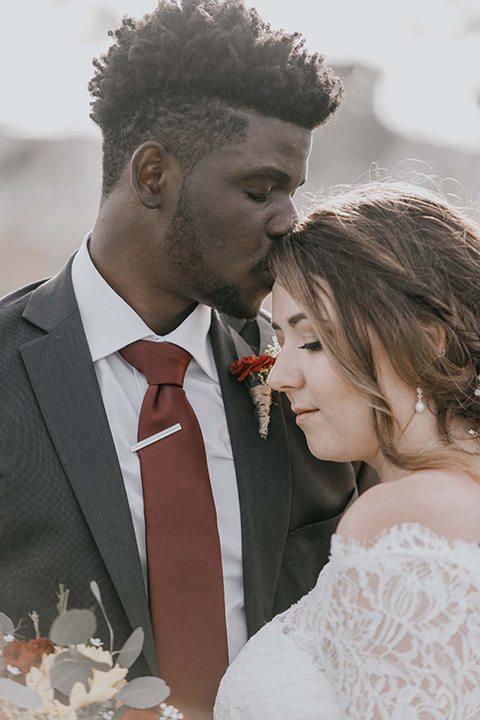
(334, 416)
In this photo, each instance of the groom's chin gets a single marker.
(228, 299)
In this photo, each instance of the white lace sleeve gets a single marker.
(399, 630)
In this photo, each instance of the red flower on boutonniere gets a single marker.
(252, 364)
(256, 370)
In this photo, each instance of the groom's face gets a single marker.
(236, 203)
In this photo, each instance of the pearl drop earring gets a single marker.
(477, 389)
(419, 406)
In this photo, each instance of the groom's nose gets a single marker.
(285, 217)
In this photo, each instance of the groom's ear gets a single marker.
(155, 175)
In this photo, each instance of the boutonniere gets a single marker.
(255, 371)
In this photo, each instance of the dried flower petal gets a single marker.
(25, 655)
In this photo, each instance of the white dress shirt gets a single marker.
(110, 324)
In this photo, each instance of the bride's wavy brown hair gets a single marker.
(395, 260)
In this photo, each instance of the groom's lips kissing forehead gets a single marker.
(262, 268)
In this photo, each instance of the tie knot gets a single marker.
(162, 363)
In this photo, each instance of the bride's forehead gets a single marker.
(286, 309)
(281, 299)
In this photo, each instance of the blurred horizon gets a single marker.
(426, 54)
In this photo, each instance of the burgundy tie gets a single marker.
(183, 548)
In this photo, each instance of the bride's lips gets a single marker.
(303, 414)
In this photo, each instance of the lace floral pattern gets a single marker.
(390, 631)
(273, 679)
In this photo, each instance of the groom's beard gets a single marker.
(182, 241)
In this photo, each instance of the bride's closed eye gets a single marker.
(315, 345)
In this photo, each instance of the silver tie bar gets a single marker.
(153, 438)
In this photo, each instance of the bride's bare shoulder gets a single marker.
(446, 502)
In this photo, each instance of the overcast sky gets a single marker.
(428, 52)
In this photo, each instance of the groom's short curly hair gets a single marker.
(179, 74)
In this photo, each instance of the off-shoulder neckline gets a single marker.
(400, 532)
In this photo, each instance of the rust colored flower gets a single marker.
(251, 364)
(25, 655)
(139, 715)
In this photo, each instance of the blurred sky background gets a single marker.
(411, 69)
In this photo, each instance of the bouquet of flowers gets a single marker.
(69, 676)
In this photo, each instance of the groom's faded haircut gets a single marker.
(179, 75)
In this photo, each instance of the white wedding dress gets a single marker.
(390, 632)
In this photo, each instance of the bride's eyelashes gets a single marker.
(315, 345)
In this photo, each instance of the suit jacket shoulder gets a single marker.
(13, 305)
(64, 515)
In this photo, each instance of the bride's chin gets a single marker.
(322, 453)
(325, 452)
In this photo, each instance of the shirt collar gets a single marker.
(110, 323)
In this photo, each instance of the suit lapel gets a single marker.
(63, 378)
(263, 478)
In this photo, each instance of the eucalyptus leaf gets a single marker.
(81, 658)
(131, 649)
(96, 591)
(63, 656)
(73, 627)
(6, 625)
(144, 692)
(64, 675)
(19, 695)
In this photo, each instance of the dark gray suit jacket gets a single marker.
(64, 515)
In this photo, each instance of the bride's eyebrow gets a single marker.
(292, 321)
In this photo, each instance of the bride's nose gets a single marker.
(285, 374)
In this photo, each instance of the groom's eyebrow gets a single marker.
(270, 172)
